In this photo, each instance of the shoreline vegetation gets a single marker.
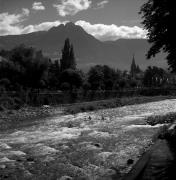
(27, 115)
(28, 77)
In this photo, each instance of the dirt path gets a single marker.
(94, 145)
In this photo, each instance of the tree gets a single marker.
(24, 66)
(110, 76)
(159, 17)
(54, 74)
(65, 86)
(72, 77)
(68, 57)
(154, 76)
(95, 77)
(72, 58)
(102, 77)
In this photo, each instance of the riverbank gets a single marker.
(112, 103)
(97, 145)
(11, 119)
(159, 161)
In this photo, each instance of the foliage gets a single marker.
(65, 86)
(109, 103)
(161, 119)
(27, 73)
(72, 77)
(110, 77)
(54, 74)
(154, 76)
(95, 77)
(24, 66)
(68, 57)
(158, 21)
(7, 102)
(102, 77)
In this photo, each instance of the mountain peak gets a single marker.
(56, 28)
(70, 24)
(88, 49)
(73, 27)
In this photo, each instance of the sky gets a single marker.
(104, 19)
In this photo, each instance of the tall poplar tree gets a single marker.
(68, 57)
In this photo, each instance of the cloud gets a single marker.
(112, 32)
(10, 23)
(38, 6)
(41, 27)
(72, 7)
(25, 12)
(101, 4)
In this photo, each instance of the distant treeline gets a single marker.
(25, 69)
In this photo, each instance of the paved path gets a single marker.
(95, 145)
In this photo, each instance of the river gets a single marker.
(91, 145)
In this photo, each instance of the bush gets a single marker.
(72, 77)
(5, 82)
(168, 118)
(65, 86)
(9, 103)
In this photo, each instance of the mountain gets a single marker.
(89, 51)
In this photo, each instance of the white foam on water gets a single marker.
(42, 150)
(4, 146)
(116, 119)
(38, 135)
(98, 134)
(144, 126)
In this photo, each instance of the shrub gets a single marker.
(9, 103)
(65, 86)
(168, 118)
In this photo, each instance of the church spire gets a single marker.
(133, 66)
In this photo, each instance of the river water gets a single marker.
(92, 145)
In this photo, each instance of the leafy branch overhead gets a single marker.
(158, 18)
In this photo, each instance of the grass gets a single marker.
(161, 119)
(11, 119)
(165, 132)
(166, 120)
(111, 103)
